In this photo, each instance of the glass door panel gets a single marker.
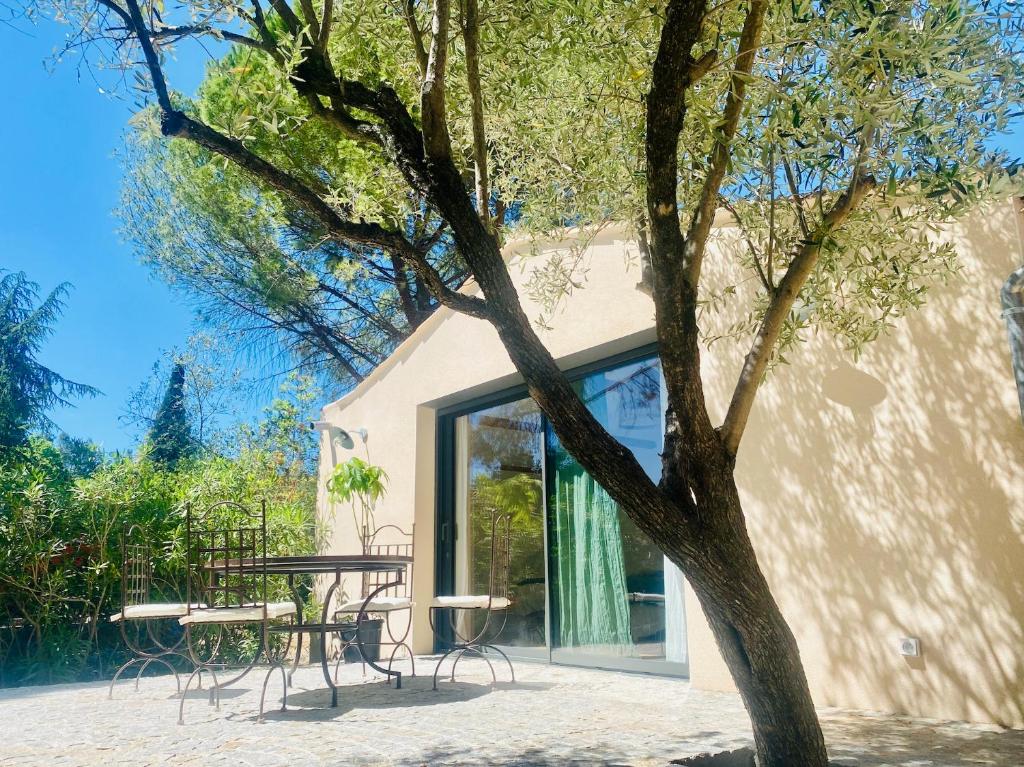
(607, 578)
(499, 467)
(588, 586)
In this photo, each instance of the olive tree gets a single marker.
(832, 131)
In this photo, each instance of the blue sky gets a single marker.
(59, 186)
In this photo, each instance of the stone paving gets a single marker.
(552, 715)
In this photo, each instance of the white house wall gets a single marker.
(885, 497)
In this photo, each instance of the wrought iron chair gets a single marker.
(391, 601)
(227, 568)
(495, 602)
(138, 608)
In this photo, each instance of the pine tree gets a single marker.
(170, 437)
(28, 389)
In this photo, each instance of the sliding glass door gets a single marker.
(588, 586)
(499, 469)
(615, 599)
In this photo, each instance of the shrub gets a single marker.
(60, 544)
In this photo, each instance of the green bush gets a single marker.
(60, 540)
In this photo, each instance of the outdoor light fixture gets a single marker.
(342, 436)
(339, 436)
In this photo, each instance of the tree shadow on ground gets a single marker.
(315, 704)
(874, 741)
(528, 758)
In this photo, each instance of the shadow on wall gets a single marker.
(886, 499)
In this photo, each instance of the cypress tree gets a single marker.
(170, 437)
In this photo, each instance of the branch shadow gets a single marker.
(885, 499)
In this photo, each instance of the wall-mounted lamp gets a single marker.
(339, 436)
(342, 436)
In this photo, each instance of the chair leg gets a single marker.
(500, 652)
(125, 667)
(437, 668)
(456, 662)
(412, 658)
(298, 654)
(341, 656)
(214, 692)
(284, 689)
(162, 662)
(391, 659)
(477, 651)
(462, 650)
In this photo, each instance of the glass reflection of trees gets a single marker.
(505, 450)
(505, 474)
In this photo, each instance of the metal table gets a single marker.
(335, 564)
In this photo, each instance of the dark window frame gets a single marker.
(444, 505)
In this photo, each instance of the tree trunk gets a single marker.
(697, 521)
(754, 638)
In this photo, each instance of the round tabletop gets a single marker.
(317, 564)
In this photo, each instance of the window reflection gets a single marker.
(612, 593)
(498, 466)
(608, 579)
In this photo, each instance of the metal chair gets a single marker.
(495, 602)
(392, 600)
(227, 551)
(138, 608)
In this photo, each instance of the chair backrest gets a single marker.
(501, 556)
(227, 549)
(136, 567)
(388, 540)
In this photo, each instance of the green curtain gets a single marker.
(591, 573)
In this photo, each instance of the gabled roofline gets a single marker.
(514, 247)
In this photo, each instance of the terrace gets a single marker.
(554, 715)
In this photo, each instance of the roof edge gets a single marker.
(514, 247)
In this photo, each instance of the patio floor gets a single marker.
(552, 716)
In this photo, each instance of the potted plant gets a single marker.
(360, 484)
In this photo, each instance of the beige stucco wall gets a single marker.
(885, 497)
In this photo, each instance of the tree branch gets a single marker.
(761, 275)
(756, 361)
(178, 124)
(471, 35)
(436, 140)
(704, 213)
(409, 11)
(798, 200)
(325, 26)
(309, 16)
(460, 302)
(666, 112)
(291, 21)
(125, 16)
(260, 22)
(152, 59)
(205, 29)
(688, 427)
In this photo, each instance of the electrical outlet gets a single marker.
(909, 646)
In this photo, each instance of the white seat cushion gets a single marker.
(477, 602)
(153, 610)
(238, 614)
(378, 604)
